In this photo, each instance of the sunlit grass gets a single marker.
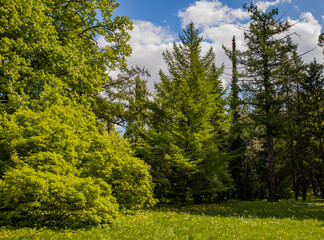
(229, 220)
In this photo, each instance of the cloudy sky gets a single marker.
(157, 24)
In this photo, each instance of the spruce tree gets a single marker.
(187, 123)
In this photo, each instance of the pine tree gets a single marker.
(137, 111)
(267, 50)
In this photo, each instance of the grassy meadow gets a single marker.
(227, 220)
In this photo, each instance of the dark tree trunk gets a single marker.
(271, 172)
(301, 157)
(295, 185)
(313, 182)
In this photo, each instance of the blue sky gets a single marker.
(157, 24)
(165, 12)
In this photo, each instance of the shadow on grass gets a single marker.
(255, 209)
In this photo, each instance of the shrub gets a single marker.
(33, 197)
(57, 168)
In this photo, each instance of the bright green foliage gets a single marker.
(35, 197)
(96, 169)
(48, 49)
(187, 124)
(130, 178)
(58, 165)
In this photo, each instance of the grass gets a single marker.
(228, 220)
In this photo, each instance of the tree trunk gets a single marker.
(295, 185)
(271, 172)
(313, 182)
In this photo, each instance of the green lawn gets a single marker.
(229, 220)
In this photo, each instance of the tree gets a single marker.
(237, 145)
(58, 164)
(121, 103)
(267, 50)
(292, 143)
(137, 112)
(312, 95)
(321, 41)
(187, 124)
(48, 50)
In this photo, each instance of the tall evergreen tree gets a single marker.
(237, 145)
(188, 122)
(291, 143)
(267, 50)
(137, 111)
(312, 95)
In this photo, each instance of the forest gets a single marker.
(193, 140)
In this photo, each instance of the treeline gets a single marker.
(262, 137)
(62, 161)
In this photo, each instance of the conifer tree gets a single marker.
(312, 95)
(122, 98)
(188, 122)
(267, 49)
(239, 173)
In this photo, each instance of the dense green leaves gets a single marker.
(58, 164)
(53, 153)
(49, 45)
(34, 198)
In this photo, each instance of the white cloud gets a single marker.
(223, 35)
(218, 24)
(307, 30)
(206, 13)
(323, 18)
(146, 33)
(211, 13)
(264, 5)
(148, 42)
